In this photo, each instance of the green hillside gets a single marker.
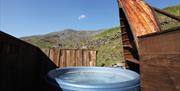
(107, 32)
(107, 41)
(109, 47)
(111, 52)
(167, 22)
(173, 10)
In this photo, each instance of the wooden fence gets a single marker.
(71, 57)
(23, 66)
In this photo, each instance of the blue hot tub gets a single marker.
(95, 79)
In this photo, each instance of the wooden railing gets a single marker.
(71, 57)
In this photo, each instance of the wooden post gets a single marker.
(166, 13)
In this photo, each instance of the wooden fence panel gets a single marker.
(54, 55)
(88, 58)
(46, 51)
(63, 58)
(79, 57)
(85, 57)
(67, 60)
(93, 58)
(71, 57)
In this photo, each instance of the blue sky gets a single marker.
(32, 17)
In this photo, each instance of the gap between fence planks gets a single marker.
(71, 57)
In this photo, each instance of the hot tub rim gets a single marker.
(124, 84)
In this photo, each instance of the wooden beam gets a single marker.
(166, 13)
(133, 60)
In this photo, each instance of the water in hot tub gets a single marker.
(93, 78)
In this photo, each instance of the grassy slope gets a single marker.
(111, 52)
(108, 32)
(39, 43)
(167, 22)
(173, 10)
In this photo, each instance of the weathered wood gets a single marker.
(166, 13)
(54, 55)
(88, 58)
(23, 66)
(133, 60)
(93, 58)
(85, 57)
(163, 70)
(159, 51)
(72, 57)
(161, 43)
(63, 58)
(46, 51)
(160, 61)
(130, 45)
(68, 61)
(79, 57)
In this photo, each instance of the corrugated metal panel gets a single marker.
(140, 17)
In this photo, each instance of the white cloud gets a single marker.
(81, 17)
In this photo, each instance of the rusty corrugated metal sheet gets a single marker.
(140, 17)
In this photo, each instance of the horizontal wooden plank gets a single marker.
(164, 70)
(166, 43)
